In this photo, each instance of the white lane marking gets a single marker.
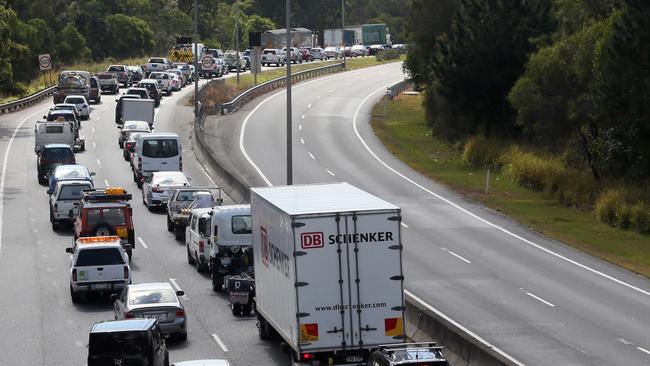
(459, 257)
(311, 155)
(624, 341)
(93, 130)
(302, 141)
(303, 116)
(539, 299)
(99, 162)
(219, 342)
(5, 161)
(97, 118)
(347, 84)
(330, 172)
(144, 245)
(331, 90)
(94, 145)
(175, 284)
(243, 128)
(643, 350)
(503, 230)
(318, 97)
(299, 127)
(106, 182)
(308, 107)
(207, 175)
(403, 224)
(458, 325)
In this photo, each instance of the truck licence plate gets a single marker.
(100, 286)
(354, 359)
(159, 316)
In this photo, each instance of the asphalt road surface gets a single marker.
(538, 300)
(38, 322)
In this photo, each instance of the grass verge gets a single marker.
(401, 126)
(39, 83)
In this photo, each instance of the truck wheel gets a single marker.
(129, 253)
(265, 330)
(170, 225)
(217, 279)
(179, 232)
(246, 309)
(236, 309)
(190, 260)
(76, 297)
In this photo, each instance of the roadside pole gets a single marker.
(237, 39)
(196, 61)
(343, 30)
(289, 131)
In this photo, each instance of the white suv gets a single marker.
(98, 264)
(273, 56)
(81, 103)
(67, 195)
(164, 80)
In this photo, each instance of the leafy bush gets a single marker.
(641, 217)
(388, 54)
(624, 216)
(578, 190)
(608, 205)
(534, 172)
(480, 151)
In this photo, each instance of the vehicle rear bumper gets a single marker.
(108, 286)
(179, 325)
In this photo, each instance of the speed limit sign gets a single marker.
(45, 62)
(207, 61)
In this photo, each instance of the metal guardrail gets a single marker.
(26, 101)
(397, 89)
(270, 85)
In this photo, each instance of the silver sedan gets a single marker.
(156, 301)
(159, 187)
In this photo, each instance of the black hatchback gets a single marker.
(133, 342)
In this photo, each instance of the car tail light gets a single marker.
(56, 207)
(157, 190)
(180, 313)
(180, 162)
(139, 163)
(201, 246)
(307, 356)
(74, 275)
(129, 315)
(126, 272)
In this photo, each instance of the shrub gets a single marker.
(578, 190)
(608, 205)
(641, 217)
(624, 216)
(534, 172)
(388, 54)
(480, 151)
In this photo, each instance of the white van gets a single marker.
(154, 152)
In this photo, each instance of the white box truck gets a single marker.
(138, 110)
(328, 270)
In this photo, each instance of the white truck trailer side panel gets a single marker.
(348, 288)
(138, 110)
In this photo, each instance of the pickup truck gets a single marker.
(164, 80)
(273, 56)
(155, 64)
(108, 82)
(231, 59)
(57, 132)
(123, 74)
(180, 205)
(67, 194)
(72, 83)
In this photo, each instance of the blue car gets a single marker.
(69, 172)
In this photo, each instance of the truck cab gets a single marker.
(105, 212)
(230, 242)
(197, 238)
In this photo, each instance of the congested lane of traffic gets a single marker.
(37, 300)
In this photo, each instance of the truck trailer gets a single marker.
(328, 270)
(138, 110)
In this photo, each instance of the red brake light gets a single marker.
(74, 275)
(180, 313)
(307, 356)
(126, 272)
(201, 246)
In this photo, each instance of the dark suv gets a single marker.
(420, 354)
(153, 88)
(51, 156)
(133, 342)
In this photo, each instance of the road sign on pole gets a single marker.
(45, 62)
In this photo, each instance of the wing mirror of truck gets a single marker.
(180, 293)
(68, 250)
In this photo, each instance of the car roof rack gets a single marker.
(109, 194)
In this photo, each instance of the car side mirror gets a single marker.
(180, 293)
(92, 174)
(119, 127)
(68, 250)
(44, 117)
(114, 297)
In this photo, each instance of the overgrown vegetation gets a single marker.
(568, 80)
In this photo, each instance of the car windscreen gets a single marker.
(156, 60)
(118, 343)
(74, 101)
(242, 225)
(136, 126)
(71, 173)
(58, 154)
(269, 51)
(54, 129)
(99, 257)
(72, 192)
(116, 68)
(65, 116)
(151, 296)
(160, 148)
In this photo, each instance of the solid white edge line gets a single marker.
(302, 141)
(459, 257)
(458, 325)
(539, 299)
(643, 350)
(311, 155)
(505, 231)
(142, 243)
(5, 161)
(248, 116)
(99, 162)
(403, 224)
(219, 342)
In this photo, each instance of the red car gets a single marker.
(306, 56)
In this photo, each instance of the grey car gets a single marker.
(159, 187)
(157, 301)
(128, 128)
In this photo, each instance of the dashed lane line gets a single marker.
(311, 155)
(308, 107)
(643, 350)
(219, 342)
(302, 141)
(299, 127)
(106, 182)
(94, 145)
(403, 224)
(99, 162)
(459, 257)
(539, 299)
(330, 172)
(144, 245)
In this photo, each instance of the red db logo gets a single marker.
(311, 240)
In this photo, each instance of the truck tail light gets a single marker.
(180, 313)
(74, 275)
(393, 327)
(139, 163)
(126, 272)
(201, 246)
(306, 356)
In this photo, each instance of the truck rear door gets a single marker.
(349, 280)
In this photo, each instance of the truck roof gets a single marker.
(322, 198)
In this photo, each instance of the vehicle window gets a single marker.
(242, 225)
(54, 129)
(118, 343)
(58, 154)
(99, 257)
(114, 216)
(185, 196)
(194, 222)
(116, 68)
(156, 60)
(163, 181)
(93, 217)
(93, 82)
(160, 148)
(157, 296)
(207, 227)
(269, 51)
(72, 192)
(106, 76)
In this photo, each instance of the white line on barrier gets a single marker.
(539, 299)
(456, 206)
